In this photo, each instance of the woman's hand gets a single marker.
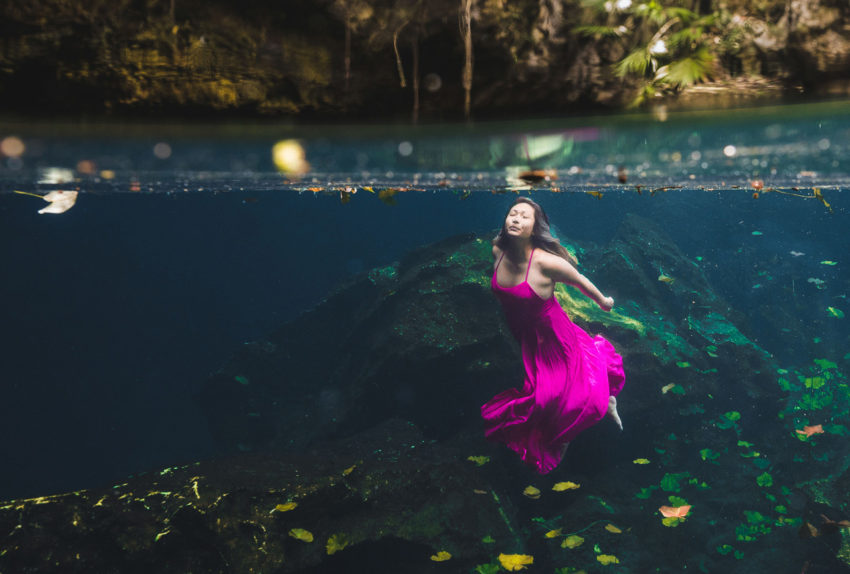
(607, 303)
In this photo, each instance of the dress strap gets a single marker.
(499, 262)
(529, 264)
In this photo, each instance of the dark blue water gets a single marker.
(116, 311)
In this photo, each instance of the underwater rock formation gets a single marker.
(386, 499)
(422, 340)
(425, 340)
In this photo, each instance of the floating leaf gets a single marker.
(757, 233)
(241, 380)
(827, 262)
(441, 556)
(479, 460)
(665, 278)
(349, 470)
(60, 201)
(606, 559)
(837, 313)
(285, 507)
(515, 562)
(810, 430)
(488, 540)
(613, 529)
(572, 541)
(667, 388)
(301, 534)
(683, 364)
(336, 543)
(725, 549)
(641, 461)
(562, 486)
(531, 492)
(553, 533)
(675, 511)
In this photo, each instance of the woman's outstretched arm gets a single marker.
(558, 269)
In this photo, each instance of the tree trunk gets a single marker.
(347, 58)
(416, 79)
(466, 32)
(398, 56)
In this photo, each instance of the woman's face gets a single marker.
(520, 221)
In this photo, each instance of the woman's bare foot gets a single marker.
(612, 411)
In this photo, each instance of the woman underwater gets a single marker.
(571, 379)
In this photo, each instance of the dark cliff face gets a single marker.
(400, 58)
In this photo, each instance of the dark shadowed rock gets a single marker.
(387, 499)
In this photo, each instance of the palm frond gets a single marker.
(686, 37)
(597, 31)
(683, 14)
(686, 71)
(635, 63)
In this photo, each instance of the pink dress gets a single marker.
(568, 378)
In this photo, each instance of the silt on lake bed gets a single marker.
(221, 359)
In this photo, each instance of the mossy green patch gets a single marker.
(717, 329)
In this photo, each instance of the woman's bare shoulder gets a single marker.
(496, 251)
(550, 264)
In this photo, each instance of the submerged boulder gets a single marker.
(425, 340)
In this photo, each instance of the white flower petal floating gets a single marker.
(60, 201)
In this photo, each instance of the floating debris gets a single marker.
(606, 559)
(284, 507)
(441, 556)
(675, 511)
(808, 431)
(562, 486)
(336, 543)
(622, 174)
(531, 492)
(538, 175)
(60, 201)
(640, 461)
(613, 529)
(665, 278)
(553, 533)
(827, 262)
(515, 562)
(796, 253)
(837, 313)
(301, 534)
(573, 541)
(479, 460)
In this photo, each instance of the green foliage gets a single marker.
(487, 568)
(638, 63)
(687, 70)
(764, 480)
(709, 455)
(671, 482)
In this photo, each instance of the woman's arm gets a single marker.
(558, 269)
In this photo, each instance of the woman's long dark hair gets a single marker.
(541, 237)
